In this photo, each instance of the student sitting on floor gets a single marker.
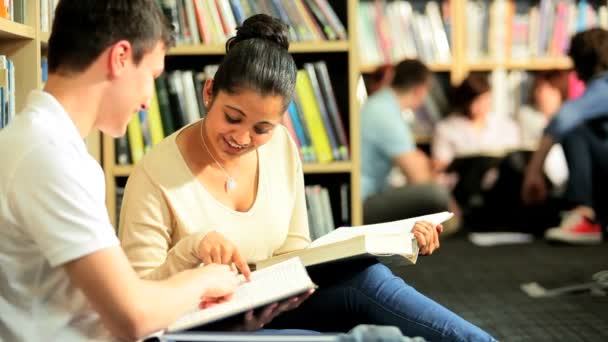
(485, 153)
(387, 141)
(581, 126)
(230, 188)
(472, 129)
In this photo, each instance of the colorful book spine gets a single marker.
(312, 76)
(313, 117)
(136, 139)
(156, 124)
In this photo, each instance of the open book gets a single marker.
(382, 239)
(273, 284)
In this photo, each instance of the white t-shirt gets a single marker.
(52, 211)
(455, 136)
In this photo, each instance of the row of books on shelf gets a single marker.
(392, 31)
(13, 10)
(7, 91)
(313, 118)
(321, 209)
(214, 21)
(47, 14)
(522, 30)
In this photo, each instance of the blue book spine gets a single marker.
(297, 125)
(238, 12)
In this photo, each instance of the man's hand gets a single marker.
(534, 189)
(216, 249)
(427, 236)
(219, 281)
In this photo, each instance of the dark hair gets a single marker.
(257, 58)
(83, 29)
(589, 52)
(471, 87)
(410, 73)
(555, 78)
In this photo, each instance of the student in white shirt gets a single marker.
(472, 128)
(63, 275)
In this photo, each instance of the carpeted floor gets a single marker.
(482, 285)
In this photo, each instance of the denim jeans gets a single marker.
(356, 293)
(586, 148)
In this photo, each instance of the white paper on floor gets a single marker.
(499, 238)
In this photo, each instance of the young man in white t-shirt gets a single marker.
(63, 275)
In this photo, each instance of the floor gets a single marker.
(482, 284)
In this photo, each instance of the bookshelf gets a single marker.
(219, 49)
(24, 44)
(343, 78)
(20, 42)
(460, 64)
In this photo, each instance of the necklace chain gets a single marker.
(230, 181)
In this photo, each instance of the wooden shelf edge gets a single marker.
(122, 170)
(12, 30)
(334, 167)
(436, 67)
(309, 168)
(219, 49)
(541, 63)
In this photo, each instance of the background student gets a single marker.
(63, 275)
(472, 128)
(581, 126)
(387, 141)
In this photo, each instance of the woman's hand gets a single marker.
(427, 236)
(214, 248)
(252, 322)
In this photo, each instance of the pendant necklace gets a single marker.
(230, 181)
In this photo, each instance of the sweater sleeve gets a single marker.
(145, 231)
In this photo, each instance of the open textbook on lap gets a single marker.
(273, 284)
(374, 240)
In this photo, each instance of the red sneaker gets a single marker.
(576, 229)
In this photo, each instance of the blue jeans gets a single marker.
(369, 293)
(586, 148)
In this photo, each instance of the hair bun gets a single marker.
(261, 26)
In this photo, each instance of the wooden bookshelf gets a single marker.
(302, 51)
(44, 37)
(436, 67)
(12, 30)
(220, 49)
(460, 64)
(544, 63)
(335, 167)
(19, 42)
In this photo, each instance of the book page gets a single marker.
(394, 227)
(267, 285)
